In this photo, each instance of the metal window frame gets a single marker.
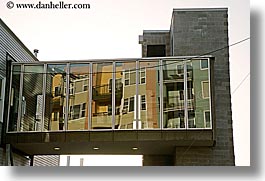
(3, 96)
(20, 99)
(90, 83)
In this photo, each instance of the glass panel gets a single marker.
(55, 101)
(198, 95)
(32, 98)
(125, 95)
(149, 95)
(101, 96)
(79, 97)
(173, 94)
(14, 104)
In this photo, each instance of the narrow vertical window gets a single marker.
(207, 119)
(205, 89)
(143, 102)
(131, 107)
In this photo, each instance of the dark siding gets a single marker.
(46, 160)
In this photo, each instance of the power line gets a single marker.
(241, 83)
(154, 66)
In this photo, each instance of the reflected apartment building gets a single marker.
(148, 99)
(173, 105)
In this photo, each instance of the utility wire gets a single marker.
(241, 83)
(154, 66)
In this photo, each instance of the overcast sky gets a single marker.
(110, 29)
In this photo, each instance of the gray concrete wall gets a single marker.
(155, 38)
(197, 33)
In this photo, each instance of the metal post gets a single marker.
(67, 96)
(161, 93)
(113, 93)
(9, 99)
(44, 96)
(185, 96)
(90, 86)
(136, 99)
(20, 99)
(68, 161)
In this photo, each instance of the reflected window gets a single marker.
(131, 107)
(207, 119)
(205, 89)
(143, 102)
(204, 64)
(125, 106)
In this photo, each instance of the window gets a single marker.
(207, 119)
(143, 102)
(125, 106)
(130, 77)
(71, 90)
(142, 76)
(85, 85)
(83, 110)
(127, 78)
(205, 89)
(57, 91)
(204, 64)
(180, 69)
(110, 85)
(156, 50)
(55, 116)
(76, 110)
(131, 107)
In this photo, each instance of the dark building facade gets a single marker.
(173, 105)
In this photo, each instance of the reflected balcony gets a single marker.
(103, 93)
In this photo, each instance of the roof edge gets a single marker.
(200, 9)
(18, 40)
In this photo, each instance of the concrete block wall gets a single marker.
(155, 38)
(196, 32)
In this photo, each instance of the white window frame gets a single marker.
(201, 64)
(145, 102)
(2, 97)
(141, 71)
(83, 109)
(129, 72)
(203, 89)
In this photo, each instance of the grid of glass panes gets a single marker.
(184, 91)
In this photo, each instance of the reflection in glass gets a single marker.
(198, 88)
(102, 96)
(149, 95)
(55, 100)
(125, 95)
(32, 98)
(78, 97)
(173, 94)
(14, 102)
